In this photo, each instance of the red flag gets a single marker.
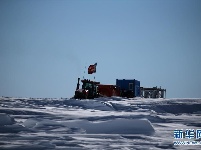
(92, 69)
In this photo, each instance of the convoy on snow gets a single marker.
(123, 88)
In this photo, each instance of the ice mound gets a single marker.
(41, 124)
(7, 124)
(6, 119)
(117, 126)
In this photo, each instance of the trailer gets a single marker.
(108, 90)
(153, 92)
(129, 87)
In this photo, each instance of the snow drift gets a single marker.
(117, 126)
(103, 123)
(6, 119)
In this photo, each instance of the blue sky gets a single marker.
(45, 45)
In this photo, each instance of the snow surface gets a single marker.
(102, 123)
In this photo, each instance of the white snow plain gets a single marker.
(102, 123)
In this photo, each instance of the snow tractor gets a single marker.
(88, 91)
(93, 89)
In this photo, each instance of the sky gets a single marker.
(46, 45)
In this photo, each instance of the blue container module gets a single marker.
(129, 85)
(137, 88)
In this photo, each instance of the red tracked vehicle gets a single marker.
(93, 89)
(88, 90)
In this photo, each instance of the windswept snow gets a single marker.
(6, 119)
(102, 123)
(115, 126)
